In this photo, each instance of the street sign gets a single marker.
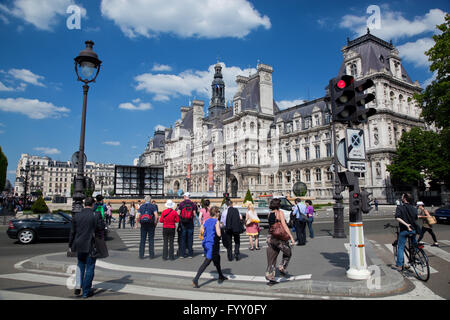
(341, 154)
(356, 166)
(355, 144)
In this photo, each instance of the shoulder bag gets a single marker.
(99, 249)
(277, 231)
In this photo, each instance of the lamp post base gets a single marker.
(338, 210)
(356, 274)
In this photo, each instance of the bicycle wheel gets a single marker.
(420, 265)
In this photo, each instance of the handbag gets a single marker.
(277, 231)
(202, 233)
(431, 220)
(99, 249)
(241, 227)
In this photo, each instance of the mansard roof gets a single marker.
(250, 96)
(304, 110)
(375, 54)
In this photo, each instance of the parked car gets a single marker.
(262, 208)
(46, 226)
(443, 214)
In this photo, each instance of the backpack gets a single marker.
(147, 216)
(187, 213)
(101, 210)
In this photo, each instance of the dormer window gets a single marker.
(353, 70)
(381, 58)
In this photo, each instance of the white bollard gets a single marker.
(358, 266)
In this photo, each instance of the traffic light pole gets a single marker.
(338, 207)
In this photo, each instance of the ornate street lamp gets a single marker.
(25, 171)
(87, 67)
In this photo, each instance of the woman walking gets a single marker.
(204, 212)
(252, 225)
(310, 217)
(132, 217)
(423, 214)
(276, 245)
(108, 213)
(169, 217)
(211, 246)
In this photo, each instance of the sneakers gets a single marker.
(195, 284)
(77, 292)
(222, 279)
(435, 244)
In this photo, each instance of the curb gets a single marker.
(391, 282)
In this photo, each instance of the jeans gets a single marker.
(311, 231)
(401, 245)
(196, 221)
(147, 231)
(187, 239)
(86, 265)
(168, 239)
(132, 220)
(122, 220)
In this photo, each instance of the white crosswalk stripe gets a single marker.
(389, 247)
(132, 238)
(123, 288)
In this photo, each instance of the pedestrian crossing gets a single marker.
(132, 238)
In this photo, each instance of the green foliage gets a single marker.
(248, 197)
(88, 192)
(3, 168)
(435, 104)
(39, 206)
(418, 157)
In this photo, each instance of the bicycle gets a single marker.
(414, 253)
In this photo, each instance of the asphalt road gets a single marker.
(11, 252)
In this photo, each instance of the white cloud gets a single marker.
(43, 14)
(414, 52)
(136, 105)
(159, 127)
(112, 143)
(189, 82)
(27, 76)
(32, 108)
(5, 88)
(47, 150)
(188, 18)
(284, 104)
(161, 67)
(394, 25)
(428, 81)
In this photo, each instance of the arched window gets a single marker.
(280, 177)
(354, 70)
(297, 175)
(318, 174)
(307, 175)
(252, 127)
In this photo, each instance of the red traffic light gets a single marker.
(344, 82)
(355, 195)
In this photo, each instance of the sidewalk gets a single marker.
(318, 268)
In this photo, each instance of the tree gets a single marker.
(3, 168)
(248, 197)
(435, 99)
(416, 159)
(39, 206)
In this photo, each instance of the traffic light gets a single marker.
(342, 95)
(365, 201)
(361, 99)
(355, 207)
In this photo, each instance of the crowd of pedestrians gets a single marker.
(11, 203)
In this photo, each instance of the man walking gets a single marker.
(147, 217)
(187, 209)
(300, 221)
(123, 210)
(84, 225)
(233, 230)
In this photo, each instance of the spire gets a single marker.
(217, 103)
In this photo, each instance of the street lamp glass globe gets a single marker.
(87, 69)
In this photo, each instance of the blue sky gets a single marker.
(159, 54)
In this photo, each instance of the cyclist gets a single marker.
(406, 215)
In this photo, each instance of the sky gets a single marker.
(159, 55)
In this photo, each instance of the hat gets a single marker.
(170, 204)
(420, 203)
(187, 194)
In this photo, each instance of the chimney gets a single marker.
(184, 111)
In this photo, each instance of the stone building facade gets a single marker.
(54, 178)
(269, 149)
